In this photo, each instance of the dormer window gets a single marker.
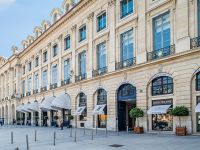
(24, 69)
(55, 18)
(29, 66)
(36, 61)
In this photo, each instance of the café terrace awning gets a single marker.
(197, 109)
(19, 108)
(99, 109)
(159, 109)
(46, 104)
(24, 107)
(79, 111)
(61, 102)
(34, 107)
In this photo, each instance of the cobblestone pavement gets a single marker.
(45, 140)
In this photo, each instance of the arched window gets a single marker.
(102, 100)
(198, 81)
(82, 103)
(55, 17)
(162, 85)
(126, 92)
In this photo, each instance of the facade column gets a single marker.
(49, 65)
(140, 33)
(40, 72)
(111, 52)
(90, 45)
(60, 39)
(73, 58)
(182, 25)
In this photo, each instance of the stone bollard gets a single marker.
(27, 143)
(17, 148)
(35, 136)
(54, 138)
(12, 137)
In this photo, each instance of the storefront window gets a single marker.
(83, 102)
(102, 100)
(163, 121)
(198, 115)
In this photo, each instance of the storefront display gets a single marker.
(161, 118)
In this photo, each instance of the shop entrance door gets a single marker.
(198, 122)
(122, 116)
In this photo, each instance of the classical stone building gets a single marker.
(97, 59)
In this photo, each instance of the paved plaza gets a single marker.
(45, 140)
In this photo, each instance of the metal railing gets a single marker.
(125, 63)
(43, 89)
(162, 89)
(195, 42)
(35, 91)
(53, 86)
(28, 93)
(80, 77)
(160, 53)
(99, 71)
(65, 82)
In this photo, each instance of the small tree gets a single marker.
(136, 113)
(180, 111)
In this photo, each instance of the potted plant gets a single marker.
(56, 118)
(180, 111)
(137, 113)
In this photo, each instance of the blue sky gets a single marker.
(19, 18)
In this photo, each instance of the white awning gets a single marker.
(61, 102)
(34, 107)
(46, 104)
(25, 107)
(159, 109)
(197, 109)
(98, 110)
(79, 111)
(19, 108)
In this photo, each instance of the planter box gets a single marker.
(181, 131)
(138, 130)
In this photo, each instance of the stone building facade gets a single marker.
(115, 54)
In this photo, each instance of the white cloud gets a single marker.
(6, 2)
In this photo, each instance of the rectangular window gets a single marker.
(66, 69)
(24, 69)
(45, 56)
(23, 87)
(101, 55)
(36, 82)
(82, 33)
(29, 66)
(101, 22)
(82, 63)
(161, 31)
(29, 85)
(54, 74)
(55, 50)
(36, 61)
(127, 7)
(198, 82)
(67, 42)
(44, 78)
(127, 46)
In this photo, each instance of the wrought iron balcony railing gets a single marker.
(53, 86)
(65, 82)
(195, 42)
(125, 63)
(99, 71)
(163, 52)
(43, 89)
(35, 91)
(22, 95)
(28, 93)
(80, 77)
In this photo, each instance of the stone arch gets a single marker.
(56, 14)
